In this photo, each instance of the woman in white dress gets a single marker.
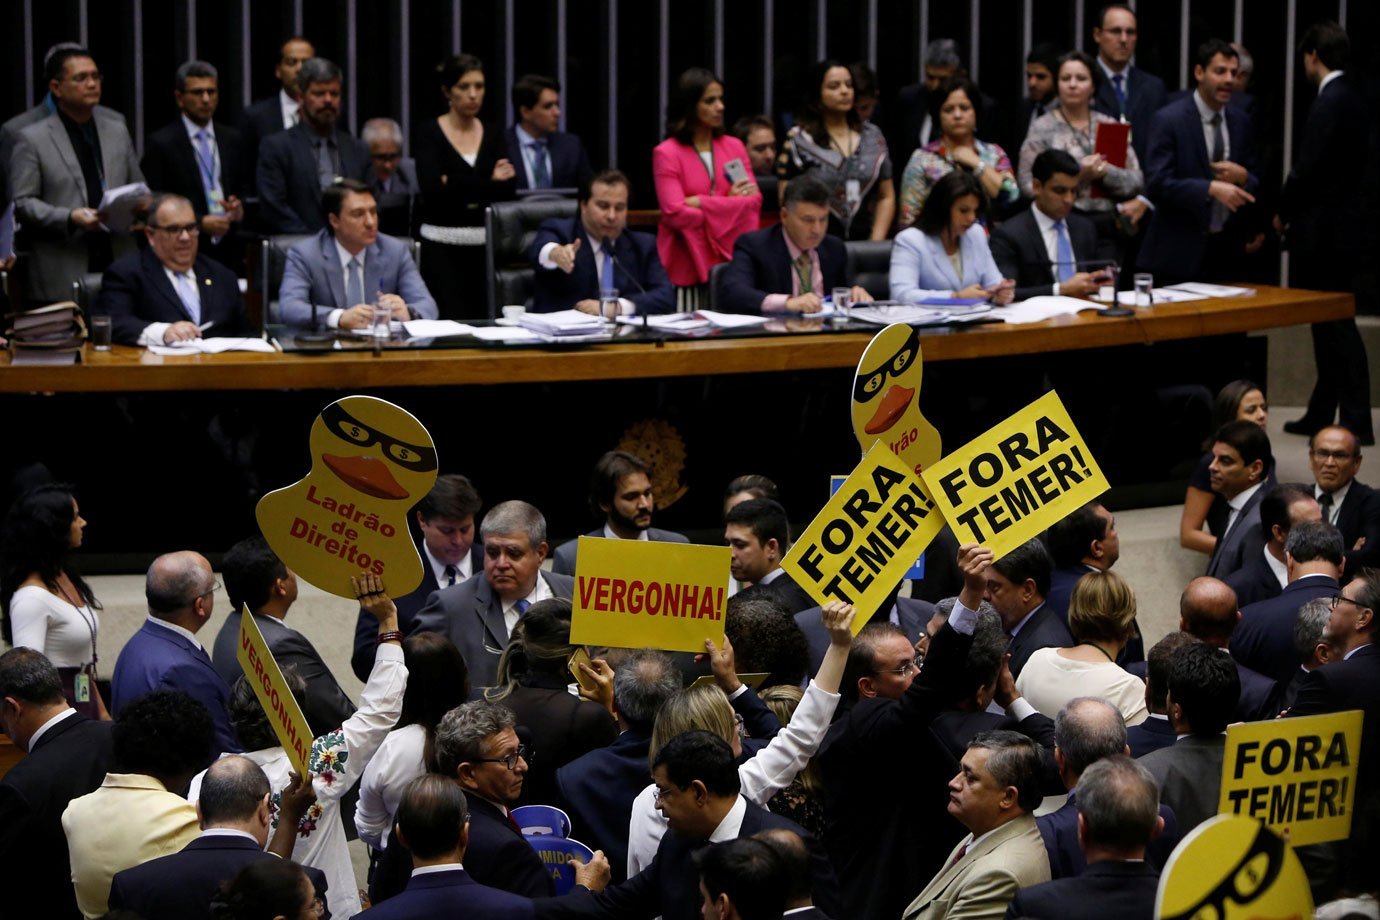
(45, 604)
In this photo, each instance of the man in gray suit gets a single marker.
(621, 491)
(58, 171)
(349, 265)
(1239, 472)
(479, 614)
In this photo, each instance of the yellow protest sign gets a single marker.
(1008, 485)
(886, 398)
(264, 675)
(1296, 775)
(868, 535)
(645, 594)
(753, 680)
(371, 462)
(1232, 868)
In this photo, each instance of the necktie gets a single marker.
(1064, 250)
(511, 820)
(208, 160)
(540, 177)
(606, 274)
(186, 291)
(1325, 503)
(958, 857)
(804, 274)
(325, 165)
(451, 572)
(354, 287)
(1219, 143)
(521, 606)
(1119, 84)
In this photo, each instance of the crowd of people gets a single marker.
(893, 773)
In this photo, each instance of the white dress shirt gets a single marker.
(153, 333)
(463, 569)
(610, 535)
(333, 318)
(541, 592)
(289, 107)
(1277, 568)
(625, 306)
(33, 739)
(184, 633)
(523, 139)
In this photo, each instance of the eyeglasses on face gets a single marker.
(511, 761)
(904, 670)
(176, 230)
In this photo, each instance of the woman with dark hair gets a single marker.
(461, 169)
(437, 681)
(954, 108)
(832, 143)
(939, 258)
(747, 487)
(1240, 399)
(703, 209)
(267, 889)
(533, 681)
(45, 604)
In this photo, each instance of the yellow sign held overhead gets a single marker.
(1296, 775)
(866, 537)
(264, 675)
(1011, 483)
(645, 594)
(886, 398)
(1232, 868)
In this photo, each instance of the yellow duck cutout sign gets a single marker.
(371, 462)
(1233, 868)
(886, 398)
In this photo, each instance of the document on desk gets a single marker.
(563, 323)
(1211, 290)
(1038, 309)
(884, 314)
(1159, 296)
(436, 328)
(212, 346)
(505, 334)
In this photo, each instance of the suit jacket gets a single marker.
(403, 182)
(326, 706)
(669, 886)
(1144, 97)
(472, 615)
(912, 616)
(398, 214)
(1151, 735)
(1189, 774)
(1254, 581)
(1259, 696)
(762, 265)
(156, 658)
(637, 271)
(181, 885)
(1359, 517)
(562, 727)
(1319, 203)
(170, 164)
(785, 591)
(1177, 176)
(257, 122)
(289, 188)
(1125, 890)
(1264, 639)
(1059, 830)
(313, 275)
(452, 893)
(954, 729)
(569, 162)
(46, 182)
(500, 857)
(1243, 541)
(984, 880)
(136, 292)
(920, 268)
(69, 760)
(1020, 253)
(563, 559)
(1044, 629)
(597, 791)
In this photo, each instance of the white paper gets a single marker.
(1210, 290)
(562, 322)
(671, 322)
(212, 346)
(118, 205)
(734, 320)
(436, 328)
(504, 334)
(911, 314)
(1038, 309)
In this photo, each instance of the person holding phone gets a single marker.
(832, 143)
(938, 258)
(704, 188)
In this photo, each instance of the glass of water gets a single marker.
(383, 316)
(100, 331)
(609, 307)
(843, 301)
(1145, 286)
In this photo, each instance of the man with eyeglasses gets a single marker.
(1128, 92)
(165, 654)
(169, 292)
(392, 176)
(1334, 455)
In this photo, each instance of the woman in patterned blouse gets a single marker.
(833, 144)
(957, 148)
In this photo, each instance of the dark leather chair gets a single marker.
(85, 290)
(509, 228)
(869, 266)
(716, 280)
(273, 252)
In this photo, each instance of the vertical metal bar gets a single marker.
(821, 26)
(561, 39)
(974, 32)
(83, 35)
(246, 83)
(351, 70)
(1238, 21)
(768, 46)
(612, 33)
(138, 17)
(1341, 13)
(871, 34)
(1183, 44)
(924, 13)
(405, 73)
(296, 17)
(664, 61)
(508, 48)
(29, 52)
(1027, 39)
(455, 27)
(191, 30)
(1290, 39)
(719, 37)
(1079, 26)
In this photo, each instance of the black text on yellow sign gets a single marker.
(862, 542)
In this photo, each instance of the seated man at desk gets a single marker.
(336, 276)
(573, 258)
(791, 267)
(168, 292)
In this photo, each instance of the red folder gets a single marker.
(1112, 138)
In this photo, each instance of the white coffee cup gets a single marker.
(513, 311)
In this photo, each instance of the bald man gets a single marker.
(1208, 612)
(165, 654)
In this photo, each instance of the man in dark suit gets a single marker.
(1081, 542)
(256, 578)
(758, 535)
(1047, 249)
(1313, 647)
(1156, 731)
(479, 614)
(233, 806)
(66, 755)
(295, 165)
(1239, 473)
(392, 176)
(1117, 828)
(1200, 172)
(1334, 454)
(742, 878)
(1128, 93)
(1203, 692)
(203, 161)
(1327, 225)
(621, 491)
(1089, 731)
(1208, 612)
(549, 157)
(169, 292)
(697, 788)
(434, 822)
(1265, 638)
(280, 111)
(165, 653)
(574, 263)
(795, 861)
(450, 555)
(913, 617)
(1264, 576)
(1041, 64)
(1016, 585)
(791, 267)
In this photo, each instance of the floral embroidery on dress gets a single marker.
(329, 756)
(308, 822)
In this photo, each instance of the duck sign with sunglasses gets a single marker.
(371, 463)
(886, 399)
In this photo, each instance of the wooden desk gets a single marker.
(126, 369)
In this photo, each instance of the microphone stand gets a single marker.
(1116, 310)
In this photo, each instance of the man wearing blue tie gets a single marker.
(545, 156)
(1128, 93)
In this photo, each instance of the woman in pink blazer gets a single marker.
(703, 211)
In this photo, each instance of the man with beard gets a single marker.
(621, 490)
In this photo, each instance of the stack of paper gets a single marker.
(1210, 290)
(510, 334)
(213, 346)
(1037, 309)
(436, 328)
(563, 323)
(119, 204)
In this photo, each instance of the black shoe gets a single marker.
(1304, 426)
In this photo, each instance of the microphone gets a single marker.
(607, 245)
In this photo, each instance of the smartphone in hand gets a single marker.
(735, 171)
(577, 658)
